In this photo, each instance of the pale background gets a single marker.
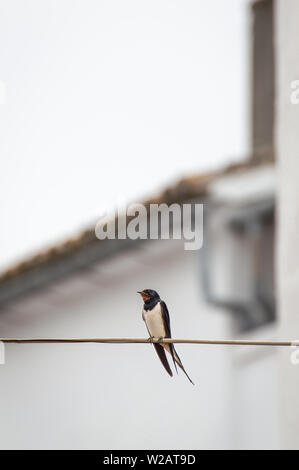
(107, 101)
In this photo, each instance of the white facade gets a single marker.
(83, 396)
(287, 134)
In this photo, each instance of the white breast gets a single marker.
(154, 321)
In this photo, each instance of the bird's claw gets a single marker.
(158, 340)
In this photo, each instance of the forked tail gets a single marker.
(176, 360)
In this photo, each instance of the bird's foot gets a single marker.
(157, 339)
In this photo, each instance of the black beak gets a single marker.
(139, 292)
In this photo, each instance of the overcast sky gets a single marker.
(103, 102)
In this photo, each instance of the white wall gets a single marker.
(287, 135)
(119, 396)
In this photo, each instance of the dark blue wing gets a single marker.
(166, 320)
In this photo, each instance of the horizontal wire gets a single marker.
(231, 342)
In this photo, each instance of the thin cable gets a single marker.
(230, 342)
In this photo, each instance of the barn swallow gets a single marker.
(156, 317)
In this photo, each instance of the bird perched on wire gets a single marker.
(156, 317)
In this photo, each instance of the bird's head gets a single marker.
(148, 294)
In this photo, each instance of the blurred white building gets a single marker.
(84, 396)
(119, 396)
